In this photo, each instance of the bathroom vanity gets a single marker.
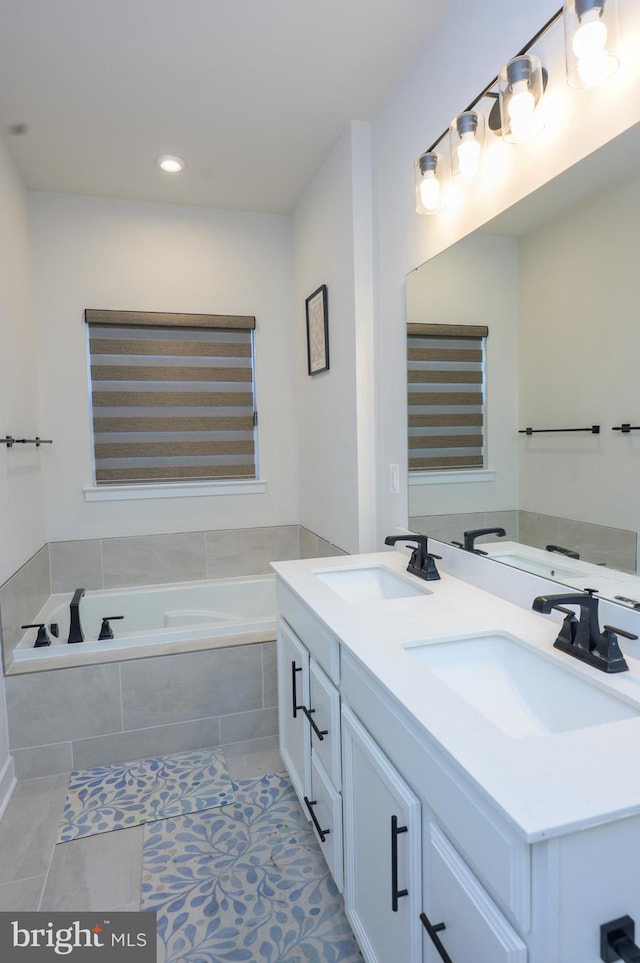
(475, 791)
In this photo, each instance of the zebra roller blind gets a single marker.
(172, 396)
(446, 396)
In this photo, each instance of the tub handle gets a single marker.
(106, 632)
(42, 638)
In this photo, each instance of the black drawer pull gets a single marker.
(396, 893)
(296, 708)
(321, 733)
(433, 931)
(310, 803)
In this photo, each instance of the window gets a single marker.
(445, 374)
(172, 397)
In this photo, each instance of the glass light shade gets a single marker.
(466, 138)
(591, 41)
(520, 89)
(429, 183)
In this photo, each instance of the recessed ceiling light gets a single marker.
(171, 163)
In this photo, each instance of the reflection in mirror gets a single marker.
(555, 280)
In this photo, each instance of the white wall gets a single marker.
(116, 254)
(465, 52)
(333, 246)
(580, 351)
(22, 528)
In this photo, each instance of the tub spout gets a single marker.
(75, 627)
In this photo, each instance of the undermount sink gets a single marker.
(519, 691)
(535, 566)
(368, 584)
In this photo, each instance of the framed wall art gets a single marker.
(317, 331)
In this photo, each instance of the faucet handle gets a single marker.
(609, 650)
(106, 632)
(623, 632)
(42, 638)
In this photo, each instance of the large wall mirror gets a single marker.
(556, 279)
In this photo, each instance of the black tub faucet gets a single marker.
(75, 627)
(473, 533)
(582, 637)
(422, 562)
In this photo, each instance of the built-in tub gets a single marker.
(158, 620)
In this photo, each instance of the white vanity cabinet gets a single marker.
(309, 722)
(382, 851)
(438, 866)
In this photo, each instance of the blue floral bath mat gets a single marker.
(246, 882)
(120, 796)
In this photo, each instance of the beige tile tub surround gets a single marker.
(613, 547)
(101, 714)
(180, 557)
(22, 596)
(451, 528)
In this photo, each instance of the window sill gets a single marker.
(452, 477)
(114, 493)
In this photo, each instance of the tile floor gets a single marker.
(94, 873)
(104, 872)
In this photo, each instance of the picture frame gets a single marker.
(317, 314)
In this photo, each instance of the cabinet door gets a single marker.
(468, 924)
(293, 694)
(382, 851)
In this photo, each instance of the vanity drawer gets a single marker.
(321, 643)
(324, 700)
(474, 928)
(325, 808)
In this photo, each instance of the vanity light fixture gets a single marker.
(171, 163)
(520, 89)
(591, 37)
(429, 183)
(466, 139)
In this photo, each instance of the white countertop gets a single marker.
(545, 785)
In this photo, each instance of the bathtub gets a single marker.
(158, 620)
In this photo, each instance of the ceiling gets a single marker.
(251, 94)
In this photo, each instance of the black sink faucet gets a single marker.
(75, 627)
(582, 637)
(422, 562)
(473, 533)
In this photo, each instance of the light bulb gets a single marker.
(591, 36)
(595, 64)
(469, 153)
(430, 191)
(522, 103)
(522, 121)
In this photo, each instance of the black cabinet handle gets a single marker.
(321, 733)
(433, 931)
(395, 892)
(296, 708)
(310, 803)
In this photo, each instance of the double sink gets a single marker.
(518, 689)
